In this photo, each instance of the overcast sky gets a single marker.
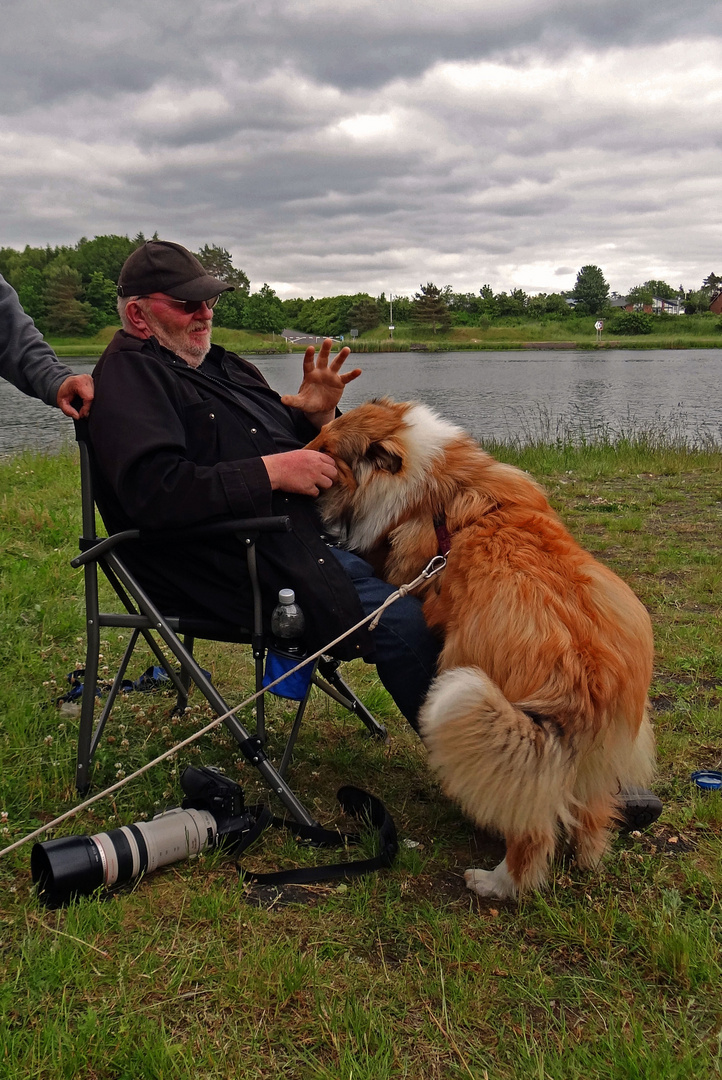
(334, 147)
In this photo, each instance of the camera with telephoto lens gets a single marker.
(212, 814)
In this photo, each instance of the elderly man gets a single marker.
(28, 362)
(185, 433)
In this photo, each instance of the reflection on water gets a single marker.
(494, 395)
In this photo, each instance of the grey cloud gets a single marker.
(234, 124)
(50, 50)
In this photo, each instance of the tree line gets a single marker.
(71, 291)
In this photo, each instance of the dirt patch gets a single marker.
(664, 840)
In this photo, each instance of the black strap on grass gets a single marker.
(353, 801)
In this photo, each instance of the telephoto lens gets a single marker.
(75, 866)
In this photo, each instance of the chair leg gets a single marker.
(113, 693)
(87, 702)
(328, 679)
(185, 678)
(250, 745)
(291, 741)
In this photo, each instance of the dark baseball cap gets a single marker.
(160, 266)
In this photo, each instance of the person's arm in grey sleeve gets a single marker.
(28, 362)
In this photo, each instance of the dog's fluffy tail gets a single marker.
(509, 771)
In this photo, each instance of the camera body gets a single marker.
(213, 813)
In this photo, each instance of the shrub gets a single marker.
(631, 322)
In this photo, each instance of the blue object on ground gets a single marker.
(153, 678)
(707, 779)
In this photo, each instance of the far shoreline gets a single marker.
(93, 349)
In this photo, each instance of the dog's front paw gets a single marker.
(495, 884)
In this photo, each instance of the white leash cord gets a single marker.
(434, 567)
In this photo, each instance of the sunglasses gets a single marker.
(189, 306)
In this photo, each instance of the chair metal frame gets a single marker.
(144, 619)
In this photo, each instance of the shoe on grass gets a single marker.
(638, 809)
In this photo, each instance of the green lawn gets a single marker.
(404, 974)
(670, 332)
(689, 331)
(241, 341)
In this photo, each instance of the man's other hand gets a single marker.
(304, 472)
(75, 386)
(322, 385)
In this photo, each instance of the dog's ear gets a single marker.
(383, 458)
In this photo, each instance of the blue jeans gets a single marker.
(406, 650)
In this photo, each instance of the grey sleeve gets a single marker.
(26, 359)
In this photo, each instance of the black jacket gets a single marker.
(174, 449)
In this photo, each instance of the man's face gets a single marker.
(187, 335)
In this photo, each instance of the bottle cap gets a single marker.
(286, 596)
(707, 779)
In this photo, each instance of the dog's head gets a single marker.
(384, 452)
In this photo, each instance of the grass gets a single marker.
(404, 974)
(572, 331)
(242, 341)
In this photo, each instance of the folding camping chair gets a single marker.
(143, 618)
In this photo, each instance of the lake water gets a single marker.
(494, 395)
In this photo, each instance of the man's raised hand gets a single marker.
(322, 385)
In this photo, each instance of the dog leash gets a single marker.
(435, 566)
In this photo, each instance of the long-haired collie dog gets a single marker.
(539, 715)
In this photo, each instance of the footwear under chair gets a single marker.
(145, 621)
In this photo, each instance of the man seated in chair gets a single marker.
(185, 433)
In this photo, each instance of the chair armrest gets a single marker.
(217, 528)
(242, 526)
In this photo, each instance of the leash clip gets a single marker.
(436, 565)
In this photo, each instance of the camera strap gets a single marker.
(366, 808)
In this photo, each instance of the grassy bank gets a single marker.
(569, 332)
(573, 332)
(241, 341)
(405, 974)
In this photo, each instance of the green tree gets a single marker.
(229, 310)
(102, 295)
(512, 304)
(291, 309)
(662, 290)
(263, 312)
(217, 261)
(644, 294)
(640, 294)
(430, 308)
(489, 306)
(67, 313)
(103, 255)
(364, 314)
(591, 289)
(697, 301)
(32, 290)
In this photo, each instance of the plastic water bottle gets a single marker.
(288, 625)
